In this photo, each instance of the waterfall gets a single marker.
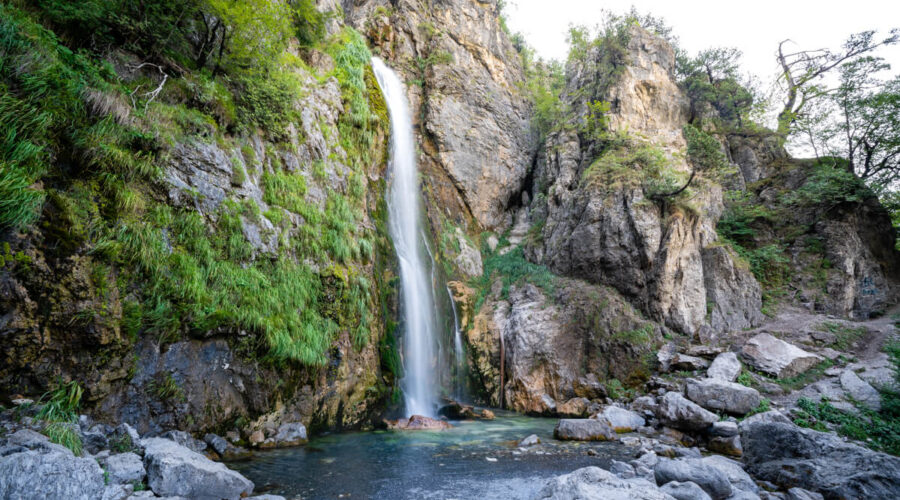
(459, 355)
(420, 339)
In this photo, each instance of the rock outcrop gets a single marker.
(789, 456)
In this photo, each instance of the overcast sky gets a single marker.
(755, 27)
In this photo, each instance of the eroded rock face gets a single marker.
(661, 259)
(550, 340)
(470, 120)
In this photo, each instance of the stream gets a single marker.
(474, 460)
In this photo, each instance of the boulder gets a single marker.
(530, 440)
(677, 411)
(688, 363)
(94, 442)
(417, 423)
(730, 445)
(291, 434)
(117, 491)
(216, 442)
(790, 456)
(766, 416)
(646, 405)
(737, 476)
(621, 469)
(713, 481)
(801, 494)
(594, 482)
(685, 491)
(256, 438)
(725, 367)
(185, 439)
(724, 428)
(620, 419)
(174, 470)
(583, 429)
(487, 415)
(860, 390)
(575, 408)
(716, 394)
(51, 472)
(777, 357)
(124, 468)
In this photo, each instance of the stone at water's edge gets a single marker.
(50, 473)
(584, 429)
(291, 434)
(173, 470)
(594, 482)
(777, 357)
(417, 423)
(620, 419)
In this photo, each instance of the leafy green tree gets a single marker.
(802, 79)
(713, 78)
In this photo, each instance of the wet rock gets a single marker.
(125, 468)
(575, 407)
(713, 481)
(216, 442)
(487, 414)
(583, 429)
(725, 367)
(790, 456)
(291, 434)
(174, 470)
(777, 357)
(684, 491)
(51, 472)
(677, 411)
(860, 390)
(715, 394)
(594, 482)
(620, 419)
(417, 423)
(530, 441)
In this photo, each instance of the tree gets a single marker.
(803, 72)
(713, 78)
(859, 120)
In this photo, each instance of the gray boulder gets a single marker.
(736, 474)
(185, 439)
(790, 456)
(765, 417)
(860, 390)
(685, 491)
(50, 473)
(621, 469)
(777, 357)
(584, 429)
(174, 470)
(531, 440)
(676, 411)
(117, 491)
(620, 419)
(711, 479)
(216, 442)
(724, 428)
(291, 434)
(125, 468)
(594, 482)
(725, 367)
(715, 394)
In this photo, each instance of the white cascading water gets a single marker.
(420, 339)
(459, 356)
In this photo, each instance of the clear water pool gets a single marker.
(474, 460)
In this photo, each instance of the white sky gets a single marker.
(755, 26)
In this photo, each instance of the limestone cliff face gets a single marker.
(616, 235)
(471, 119)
